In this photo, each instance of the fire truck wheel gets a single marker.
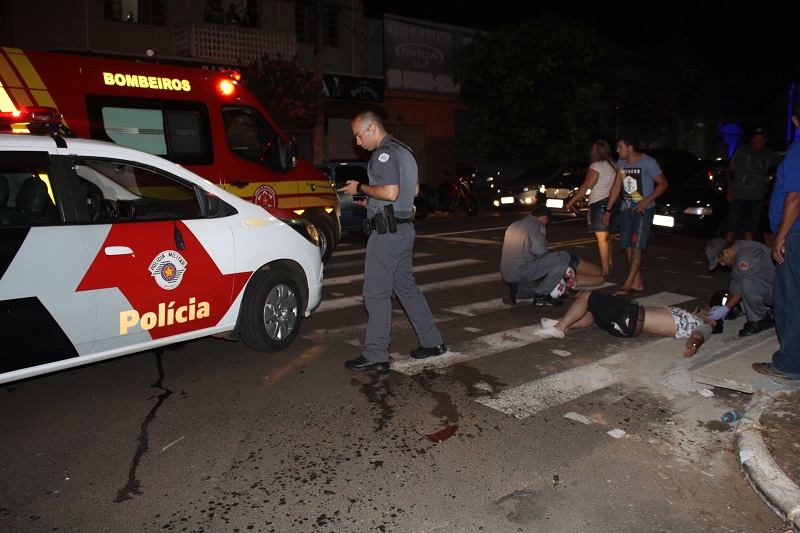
(327, 234)
(271, 311)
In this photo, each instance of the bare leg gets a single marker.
(748, 235)
(604, 247)
(634, 279)
(577, 316)
(588, 275)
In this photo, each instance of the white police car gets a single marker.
(106, 251)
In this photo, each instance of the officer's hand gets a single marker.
(718, 312)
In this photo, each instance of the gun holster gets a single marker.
(382, 222)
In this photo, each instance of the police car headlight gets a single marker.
(304, 228)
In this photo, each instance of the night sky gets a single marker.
(753, 45)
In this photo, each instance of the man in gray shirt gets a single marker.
(747, 180)
(529, 270)
(752, 278)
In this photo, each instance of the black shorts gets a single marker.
(616, 315)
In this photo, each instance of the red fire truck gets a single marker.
(204, 120)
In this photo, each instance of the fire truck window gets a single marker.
(142, 129)
(251, 137)
(185, 133)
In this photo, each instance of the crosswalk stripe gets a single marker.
(473, 349)
(423, 268)
(529, 398)
(350, 301)
(360, 262)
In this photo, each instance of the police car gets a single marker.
(107, 250)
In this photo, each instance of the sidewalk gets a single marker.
(769, 428)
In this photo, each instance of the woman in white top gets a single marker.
(598, 181)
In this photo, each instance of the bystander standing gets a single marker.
(214, 13)
(599, 180)
(232, 17)
(251, 18)
(747, 181)
(784, 208)
(640, 181)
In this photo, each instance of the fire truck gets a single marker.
(203, 120)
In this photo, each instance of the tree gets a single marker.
(288, 92)
(530, 89)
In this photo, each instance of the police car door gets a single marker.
(43, 255)
(157, 264)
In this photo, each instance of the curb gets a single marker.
(770, 482)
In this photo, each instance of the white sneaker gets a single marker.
(550, 332)
(548, 322)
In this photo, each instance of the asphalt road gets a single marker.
(589, 433)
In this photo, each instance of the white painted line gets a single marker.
(356, 331)
(578, 418)
(479, 347)
(529, 398)
(356, 251)
(467, 240)
(351, 301)
(360, 262)
(423, 268)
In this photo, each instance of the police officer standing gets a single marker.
(393, 184)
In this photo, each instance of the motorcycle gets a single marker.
(449, 195)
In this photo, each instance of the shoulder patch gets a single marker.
(383, 158)
(743, 265)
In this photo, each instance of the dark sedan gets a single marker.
(697, 207)
(552, 185)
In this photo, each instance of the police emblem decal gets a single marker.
(167, 269)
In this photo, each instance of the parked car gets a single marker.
(352, 214)
(696, 207)
(699, 207)
(552, 184)
(679, 166)
(109, 251)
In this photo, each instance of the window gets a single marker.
(305, 23)
(251, 137)
(176, 130)
(141, 11)
(26, 191)
(120, 190)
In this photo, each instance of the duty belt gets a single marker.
(371, 221)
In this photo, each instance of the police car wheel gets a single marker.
(271, 311)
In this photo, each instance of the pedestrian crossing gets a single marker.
(520, 401)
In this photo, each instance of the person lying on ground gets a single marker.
(624, 318)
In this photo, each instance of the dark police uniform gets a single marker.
(387, 265)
